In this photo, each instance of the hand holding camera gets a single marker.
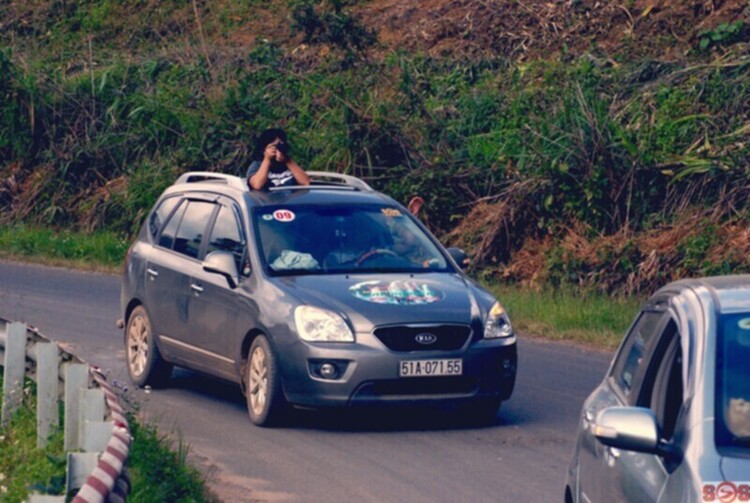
(278, 152)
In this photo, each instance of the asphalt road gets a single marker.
(375, 456)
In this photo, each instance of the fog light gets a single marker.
(328, 371)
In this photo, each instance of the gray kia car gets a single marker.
(326, 295)
(670, 422)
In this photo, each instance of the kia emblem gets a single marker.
(425, 338)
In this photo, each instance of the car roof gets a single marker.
(325, 188)
(731, 293)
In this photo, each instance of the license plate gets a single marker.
(427, 368)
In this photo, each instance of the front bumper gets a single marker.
(368, 374)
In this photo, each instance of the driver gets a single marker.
(407, 245)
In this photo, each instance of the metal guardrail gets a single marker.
(97, 435)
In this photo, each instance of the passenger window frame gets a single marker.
(629, 395)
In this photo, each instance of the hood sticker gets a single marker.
(402, 293)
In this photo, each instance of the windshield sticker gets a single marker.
(283, 215)
(744, 323)
(267, 217)
(391, 212)
(402, 293)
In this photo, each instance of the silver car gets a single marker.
(671, 420)
(325, 295)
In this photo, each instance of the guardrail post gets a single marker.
(94, 432)
(76, 377)
(47, 389)
(15, 368)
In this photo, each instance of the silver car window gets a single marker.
(633, 353)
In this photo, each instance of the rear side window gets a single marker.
(167, 235)
(632, 355)
(160, 215)
(192, 228)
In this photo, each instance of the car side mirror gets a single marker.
(632, 429)
(222, 262)
(459, 256)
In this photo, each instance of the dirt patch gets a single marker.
(620, 263)
(538, 28)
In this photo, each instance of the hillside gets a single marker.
(598, 143)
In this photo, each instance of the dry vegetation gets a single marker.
(598, 143)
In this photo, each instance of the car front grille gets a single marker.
(433, 338)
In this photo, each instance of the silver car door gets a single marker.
(641, 477)
(596, 477)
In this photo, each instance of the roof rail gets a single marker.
(338, 179)
(210, 177)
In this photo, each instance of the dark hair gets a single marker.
(266, 137)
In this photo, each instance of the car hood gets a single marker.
(370, 300)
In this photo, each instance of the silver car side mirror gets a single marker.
(633, 429)
(628, 428)
(222, 262)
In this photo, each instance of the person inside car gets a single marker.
(272, 165)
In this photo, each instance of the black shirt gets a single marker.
(278, 175)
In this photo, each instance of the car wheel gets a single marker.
(144, 362)
(265, 398)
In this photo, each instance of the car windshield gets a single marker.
(733, 381)
(318, 239)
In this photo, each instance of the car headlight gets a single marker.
(498, 324)
(319, 325)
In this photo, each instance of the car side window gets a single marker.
(226, 236)
(192, 228)
(167, 235)
(662, 387)
(160, 215)
(632, 355)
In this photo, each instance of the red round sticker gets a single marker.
(283, 215)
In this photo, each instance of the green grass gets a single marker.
(22, 465)
(593, 319)
(100, 250)
(158, 468)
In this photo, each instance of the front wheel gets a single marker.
(265, 397)
(144, 362)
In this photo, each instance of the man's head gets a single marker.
(271, 136)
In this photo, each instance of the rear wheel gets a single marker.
(144, 362)
(265, 397)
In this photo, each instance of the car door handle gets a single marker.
(196, 287)
(152, 272)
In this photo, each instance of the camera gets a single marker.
(283, 147)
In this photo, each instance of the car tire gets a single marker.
(146, 366)
(265, 397)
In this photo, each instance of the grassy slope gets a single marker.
(563, 150)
